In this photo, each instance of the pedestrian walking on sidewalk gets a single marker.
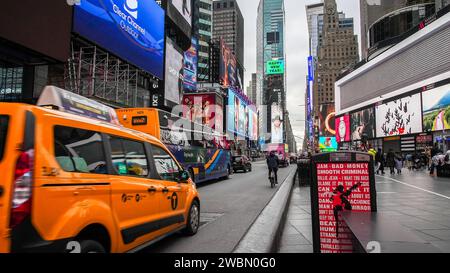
(380, 161)
(398, 163)
(390, 161)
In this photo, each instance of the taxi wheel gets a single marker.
(193, 222)
(89, 246)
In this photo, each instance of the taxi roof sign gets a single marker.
(59, 99)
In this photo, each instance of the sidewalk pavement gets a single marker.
(297, 233)
(413, 199)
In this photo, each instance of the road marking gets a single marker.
(386, 192)
(415, 187)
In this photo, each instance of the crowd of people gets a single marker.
(395, 162)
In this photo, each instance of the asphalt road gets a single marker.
(228, 208)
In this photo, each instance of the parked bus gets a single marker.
(200, 150)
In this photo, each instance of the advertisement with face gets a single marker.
(277, 124)
(201, 109)
(328, 144)
(436, 109)
(231, 112)
(227, 70)
(131, 29)
(252, 123)
(399, 117)
(190, 67)
(174, 73)
(363, 124)
(326, 118)
(184, 7)
(343, 129)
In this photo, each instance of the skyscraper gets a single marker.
(338, 49)
(202, 29)
(229, 25)
(251, 89)
(313, 13)
(271, 63)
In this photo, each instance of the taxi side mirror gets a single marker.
(184, 176)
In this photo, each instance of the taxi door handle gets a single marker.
(165, 190)
(152, 189)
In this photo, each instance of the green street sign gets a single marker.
(275, 67)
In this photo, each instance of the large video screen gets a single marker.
(399, 117)
(204, 109)
(42, 26)
(343, 129)
(231, 112)
(277, 124)
(184, 7)
(436, 109)
(326, 117)
(132, 30)
(363, 124)
(252, 123)
(328, 144)
(190, 67)
(227, 70)
(174, 73)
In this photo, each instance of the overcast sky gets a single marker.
(296, 50)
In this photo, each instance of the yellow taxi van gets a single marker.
(73, 180)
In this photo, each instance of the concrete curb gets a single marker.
(264, 234)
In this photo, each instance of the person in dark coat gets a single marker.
(272, 163)
(379, 160)
(390, 161)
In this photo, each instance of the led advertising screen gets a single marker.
(43, 26)
(132, 30)
(399, 117)
(275, 67)
(327, 120)
(231, 120)
(436, 109)
(203, 109)
(227, 70)
(184, 7)
(174, 73)
(190, 67)
(343, 129)
(328, 144)
(252, 123)
(363, 124)
(277, 124)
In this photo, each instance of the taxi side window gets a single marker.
(129, 157)
(74, 150)
(166, 166)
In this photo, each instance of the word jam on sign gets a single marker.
(341, 187)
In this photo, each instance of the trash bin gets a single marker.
(304, 172)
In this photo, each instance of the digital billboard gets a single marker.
(190, 67)
(184, 7)
(132, 30)
(363, 124)
(399, 117)
(42, 26)
(228, 64)
(328, 144)
(231, 120)
(343, 129)
(275, 67)
(436, 109)
(204, 109)
(252, 123)
(277, 124)
(326, 120)
(174, 73)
